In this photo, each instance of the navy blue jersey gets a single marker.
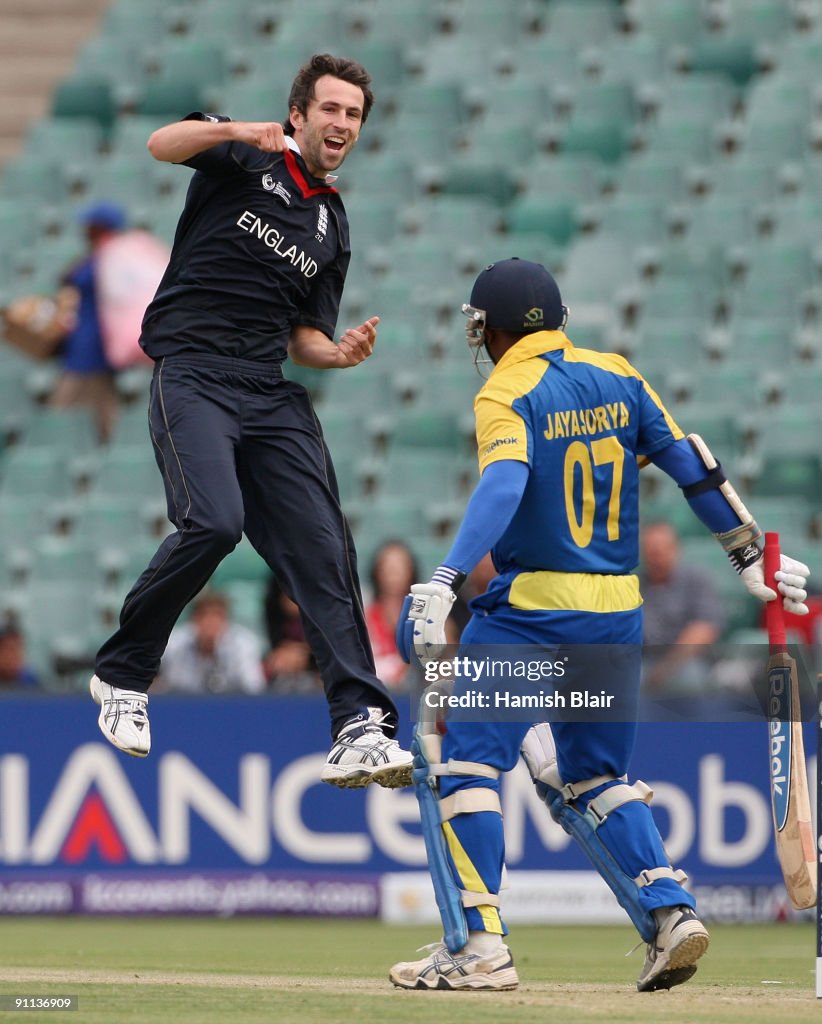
(261, 247)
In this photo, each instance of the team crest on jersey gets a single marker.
(270, 185)
(322, 222)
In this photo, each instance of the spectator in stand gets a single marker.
(212, 654)
(289, 664)
(682, 614)
(87, 377)
(393, 570)
(15, 674)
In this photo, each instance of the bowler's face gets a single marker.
(330, 126)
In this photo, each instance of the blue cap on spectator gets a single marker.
(104, 215)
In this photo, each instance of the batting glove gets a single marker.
(792, 578)
(430, 607)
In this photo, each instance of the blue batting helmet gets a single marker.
(519, 296)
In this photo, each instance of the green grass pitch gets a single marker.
(281, 971)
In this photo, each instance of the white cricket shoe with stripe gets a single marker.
(444, 970)
(123, 717)
(671, 958)
(362, 754)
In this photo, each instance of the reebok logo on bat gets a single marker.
(779, 726)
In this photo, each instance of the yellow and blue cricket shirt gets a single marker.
(583, 421)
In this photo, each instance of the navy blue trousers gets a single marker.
(240, 450)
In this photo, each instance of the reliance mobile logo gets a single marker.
(779, 734)
(262, 811)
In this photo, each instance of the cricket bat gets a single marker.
(790, 801)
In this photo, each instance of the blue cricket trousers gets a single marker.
(240, 450)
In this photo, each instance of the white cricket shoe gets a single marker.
(123, 717)
(671, 958)
(443, 970)
(362, 753)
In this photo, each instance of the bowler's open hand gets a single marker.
(357, 343)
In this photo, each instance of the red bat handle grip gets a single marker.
(774, 612)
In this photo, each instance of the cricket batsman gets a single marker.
(561, 433)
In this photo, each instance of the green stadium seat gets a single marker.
(427, 475)
(428, 427)
(129, 471)
(504, 142)
(780, 133)
(797, 218)
(376, 175)
(719, 427)
(655, 175)
(596, 269)
(22, 520)
(687, 95)
(131, 133)
(246, 599)
(602, 101)
(536, 52)
(601, 137)
(126, 19)
(563, 175)
(551, 217)
(635, 219)
(800, 54)
(39, 473)
(787, 474)
(718, 220)
(35, 178)
(680, 298)
(113, 59)
(666, 340)
(196, 60)
(487, 175)
(385, 60)
(454, 385)
(755, 338)
(579, 24)
(518, 99)
(390, 516)
(748, 176)
(446, 216)
(58, 616)
(760, 21)
(87, 98)
(70, 431)
(64, 138)
(417, 137)
(438, 102)
(502, 22)
(734, 57)
(637, 59)
(413, 21)
(689, 136)
(115, 521)
(442, 61)
(57, 558)
(168, 97)
(673, 21)
(779, 92)
(259, 97)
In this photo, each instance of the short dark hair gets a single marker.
(208, 599)
(302, 88)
